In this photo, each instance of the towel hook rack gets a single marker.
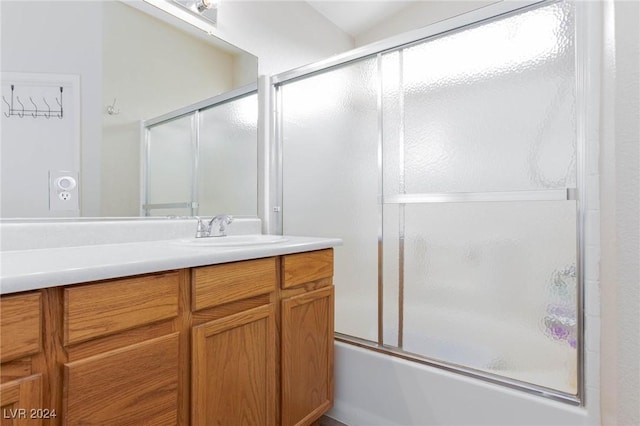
(36, 112)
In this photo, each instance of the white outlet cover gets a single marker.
(63, 190)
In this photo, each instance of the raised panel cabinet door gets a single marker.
(21, 325)
(21, 402)
(133, 385)
(307, 356)
(233, 370)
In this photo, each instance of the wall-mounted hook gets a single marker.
(47, 115)
(9, 105)
(34, 114)
(60, 104)
(20, 114)
(111, 109)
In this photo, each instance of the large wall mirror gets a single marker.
(79, 82)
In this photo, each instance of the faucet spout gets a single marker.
(216, 227)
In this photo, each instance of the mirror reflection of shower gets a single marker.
(203, 158)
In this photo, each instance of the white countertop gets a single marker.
(22, 270)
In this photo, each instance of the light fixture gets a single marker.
(202, 5)
(191, 11)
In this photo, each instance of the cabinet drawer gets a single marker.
(302, 268)
(101, 309)
(219, 284)
(20, 321)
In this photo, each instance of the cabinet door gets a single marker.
(307, 356)
(21, 402)
(137, 384)
(21, 325)
(233, 370)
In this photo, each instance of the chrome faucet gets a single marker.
(216, 227)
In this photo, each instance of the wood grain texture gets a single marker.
(104, 308)
(219, 284)
(15, 369)
(306, 287)
(22, 394)
(20, 322)
(121, 339)
(233, 370)
(49, 362)
(305, 267)
(129, 386)
(231, 308)
(182, 324)
(307, 356)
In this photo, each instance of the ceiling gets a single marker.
(356, 17)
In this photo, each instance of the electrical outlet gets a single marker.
(63, 190)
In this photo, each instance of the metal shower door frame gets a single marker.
(586, 63)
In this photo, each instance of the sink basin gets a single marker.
(234, 241)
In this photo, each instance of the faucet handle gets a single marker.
(202, 228)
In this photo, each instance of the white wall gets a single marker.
(37, 150)
(418, 15)
(620, 219)
(282, 34)
(42, 36)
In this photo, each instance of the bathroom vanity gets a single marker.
(224, 341)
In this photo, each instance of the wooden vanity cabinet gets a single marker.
(307, 326)
(247, 342)
(21, 383)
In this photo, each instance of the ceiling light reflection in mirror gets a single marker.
(191, 11)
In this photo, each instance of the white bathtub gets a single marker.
(375, 389)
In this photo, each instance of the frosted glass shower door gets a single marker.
(171, 153)
(479, 222)
(228, 158)
(329, 131)
(449, 167)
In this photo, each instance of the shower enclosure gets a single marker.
(451, 169)
(202, 159)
